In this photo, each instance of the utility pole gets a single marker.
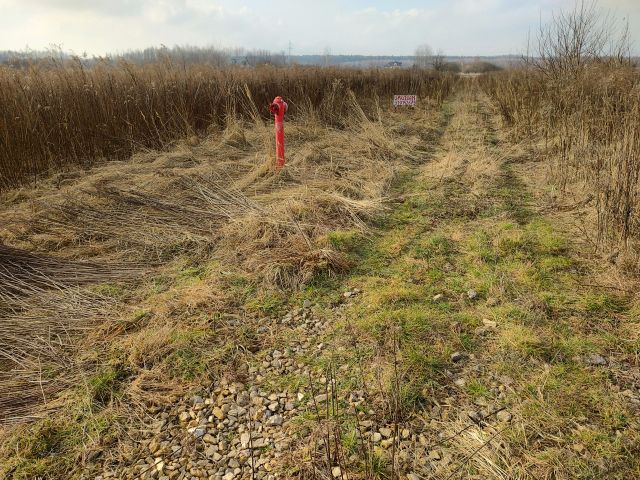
(289, 52)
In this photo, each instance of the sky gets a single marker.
(368, 27)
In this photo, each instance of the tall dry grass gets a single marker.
(580, 97)
(54, 115)
(591, 132)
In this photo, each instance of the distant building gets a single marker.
(239, 61)
(393, 64)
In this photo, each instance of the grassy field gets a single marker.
(441, 292)
(406, 299)
(118, 282)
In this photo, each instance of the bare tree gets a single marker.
(424, 56)
(326, 55)
(577, 37)
(439, 62)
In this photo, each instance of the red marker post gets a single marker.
(279, 107)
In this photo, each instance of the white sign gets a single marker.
(399, 100)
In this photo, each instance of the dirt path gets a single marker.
(466, 342)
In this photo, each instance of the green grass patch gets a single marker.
(476, 389)
(105, 384)
(347, 241)
(111, 290)
(603, 303)
(269, 303)
(191, 275)
(187, 363)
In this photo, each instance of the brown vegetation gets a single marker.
(53, 116)
(578, 100)
(206, 202)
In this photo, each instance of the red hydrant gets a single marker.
(279, 107)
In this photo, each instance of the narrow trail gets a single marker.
(462, 345)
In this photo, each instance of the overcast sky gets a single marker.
(370, 27)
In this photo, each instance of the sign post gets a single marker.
(405, 100)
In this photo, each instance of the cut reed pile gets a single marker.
(43, 307)
(53, 116)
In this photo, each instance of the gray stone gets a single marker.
(504, 416)
(243, 399)
(275, 420)
(595, 359)
(456, 357)
(259, 442)
(208, 438)
(489, 323)
(475, 416)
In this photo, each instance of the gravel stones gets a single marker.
(595, 360)
(239, 431)
(275, 420)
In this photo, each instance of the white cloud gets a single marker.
(377, 27)
(475, 7)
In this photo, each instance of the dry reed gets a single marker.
(580, 98)
(53, 116)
